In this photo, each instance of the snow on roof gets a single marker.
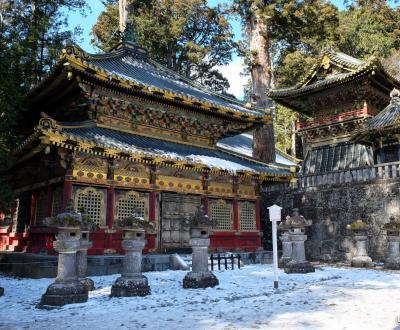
(243, 144)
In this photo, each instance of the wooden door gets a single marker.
(176, 210)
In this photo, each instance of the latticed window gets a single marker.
(130, 202)
(41, 207)
(221, 212)
(57, 200)
(247, 216)
(92, 201)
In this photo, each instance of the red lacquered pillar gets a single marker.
(151, 239)
(32, 214)
(258, 220)
(110, 207)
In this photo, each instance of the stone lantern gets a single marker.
(81, 255)
(393, 236)
(295, 226)
(132, 282)
(286, 245)
(359, 230)
(66, 289)
(200, 276)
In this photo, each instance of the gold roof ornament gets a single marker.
(395, 93)
(358, 225)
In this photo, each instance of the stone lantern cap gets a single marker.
(71, 218)
(68, 218)
(296, 220)
(134, 222)
(393, 226)
(358, 225)
(201, 220)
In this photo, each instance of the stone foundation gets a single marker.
(294, 267)
(130, 287)
(331, 208)
(60, 294)
(87, 283)
(200, 280)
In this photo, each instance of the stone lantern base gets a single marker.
(392, 263)
(88, 283)
(198, 280)
(60, 294)
(130, 287)
(361, 261)
(299, 267)
(1, 291)
(283, 262)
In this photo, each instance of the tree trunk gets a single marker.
(293, 139)
(263, 137)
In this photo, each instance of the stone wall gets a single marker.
(332, 207)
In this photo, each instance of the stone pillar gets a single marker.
(200, 276)
(361, 258)
(132, 282)
(359, 230)
(293, 243)
(392, 229)
(393, 253)
(66, 289)
(81, 260)
(298, 264)
(286, 249)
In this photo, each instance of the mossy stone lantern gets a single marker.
(296, 226)
(359, 230)
(66, 289)
(200, 276)
(132, 282)
(392, 229)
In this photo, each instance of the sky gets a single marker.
(232, 71)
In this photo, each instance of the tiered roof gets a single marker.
(89, 137)
(334, 69)
(128, 68)
(387, 121)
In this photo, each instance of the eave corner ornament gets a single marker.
(47, 123)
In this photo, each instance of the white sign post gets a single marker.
(274, 217)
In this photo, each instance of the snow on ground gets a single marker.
(330, 298)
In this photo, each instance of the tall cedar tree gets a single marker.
(32, 33)
(255, 21)
(186, 35)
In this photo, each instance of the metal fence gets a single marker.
(225, 259)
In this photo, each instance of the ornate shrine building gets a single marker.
(349, 136)
(118, 132)
(335, 100)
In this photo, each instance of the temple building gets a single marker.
(117, 133)
(335, 99)
(349, 139)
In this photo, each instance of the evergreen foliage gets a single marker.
(32, 33)
(299, 30)
(187, 36)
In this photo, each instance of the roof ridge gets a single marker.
(252, 159)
